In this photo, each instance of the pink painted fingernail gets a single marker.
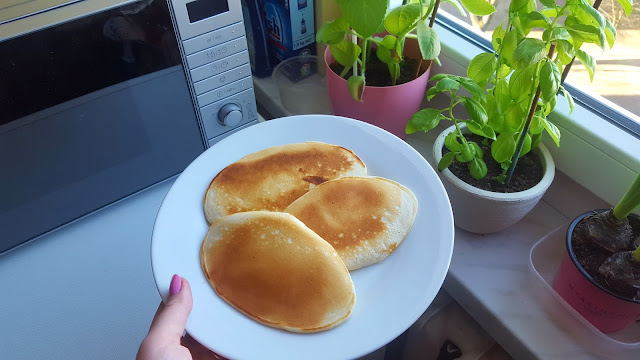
(176, 284)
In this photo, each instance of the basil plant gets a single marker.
(522, 78)
(368, 23)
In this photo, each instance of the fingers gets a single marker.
(170, 322)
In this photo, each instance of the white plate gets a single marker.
(390, 295)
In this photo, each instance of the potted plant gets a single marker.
(378, 61)
(518, 88)
(600, 274)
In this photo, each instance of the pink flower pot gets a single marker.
(607, 311)
(389, 107)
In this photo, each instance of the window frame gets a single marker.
(599, 146)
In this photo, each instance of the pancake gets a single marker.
(273, 178)
(274, 269)
(363, 218)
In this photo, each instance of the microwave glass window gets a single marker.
(93, 110)
(203, 9)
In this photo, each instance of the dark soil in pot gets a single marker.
(377, 72)
(591, 256)
(527, 174)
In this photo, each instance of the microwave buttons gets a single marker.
(217, 52)
(230, 115)
(224, 91)
(213, 38)
(219, 66)
(222, 79)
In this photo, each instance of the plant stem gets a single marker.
(452, 103)
(434, 13)
(365, 43)
(525, 130)
(629, 201)
(596, 5)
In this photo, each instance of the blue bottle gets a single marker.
(257, 38)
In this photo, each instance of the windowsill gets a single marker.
(489, 275)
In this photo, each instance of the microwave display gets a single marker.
(93, 109)
(203, 9)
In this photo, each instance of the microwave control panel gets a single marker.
(214, 53)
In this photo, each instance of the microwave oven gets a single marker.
(100, 99)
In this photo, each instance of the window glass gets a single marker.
(617, 77)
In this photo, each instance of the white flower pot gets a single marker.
(483, 212)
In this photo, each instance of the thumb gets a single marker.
(170, 322)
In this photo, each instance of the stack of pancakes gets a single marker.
(287, 225)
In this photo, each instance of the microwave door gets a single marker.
(94, 109)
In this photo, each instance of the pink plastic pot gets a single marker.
(607, 311)
(389, 107)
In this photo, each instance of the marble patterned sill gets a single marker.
(489, 275)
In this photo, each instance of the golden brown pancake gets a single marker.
(274, 269)
(363, 218)
(273, 178)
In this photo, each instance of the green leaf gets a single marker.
(466, 153)
(548, 3)
(555, 34)
(550, 11)
(333, 32)
(432, 92)
(498, 36)
(440, 76)
(549, 80)
(569, 99)
(496, 122)
(521, 83)
(537, 126)
(355, 84)
(478, 149)
(504, 147)
(528, 52)
(471, 86)
(423, 120)
(510, 42)
(536, 19)
(565, 51)
(587, 34)
(477, 168)
(475, 110)
(345, 52)
(479, 7)
(501, 92)
(535, 140)
(389, 50)
(458, 6)
(451, 142)
(364, 16)
(447, 84)
(627, 5)
(482, 130)
(588, 62)
(553, 131)
(514, 117)
(592, 13)
(481, 68)
(526, 146)
(446, 160)
(402, 19)
(428, 41)
(517, 5)
(550, 105)
(610, 32)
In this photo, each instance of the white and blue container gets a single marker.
(290, 28)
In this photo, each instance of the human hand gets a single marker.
(165, 340)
